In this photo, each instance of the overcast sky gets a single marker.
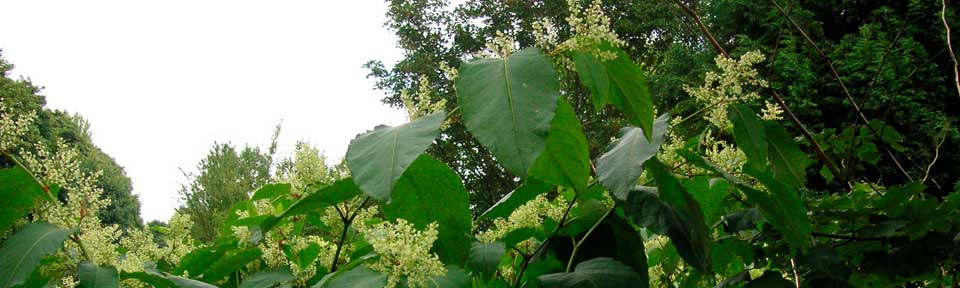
(161, 81)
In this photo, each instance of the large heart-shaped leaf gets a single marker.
(22, 252)
(566, 160)
(360, 277)
(508, 104)
(430, 192)
(93, 276)
(377, 158)
(619, 168)
(598, 273)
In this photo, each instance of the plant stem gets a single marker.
(343, 235)
(46, 190)
(576, 246)
(526, 260)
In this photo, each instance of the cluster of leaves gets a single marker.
(648, 211)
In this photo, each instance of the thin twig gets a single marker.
(577, 244)
(943, 136)
(956, 74)
(703, 28)
(343, 236)
(526, 260)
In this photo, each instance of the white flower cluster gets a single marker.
(591, 27)
(771, 111)
(724, 155)
(545, 34)
(12, 129)
(502, 45)
(424, 104)
(531, 214)
(404, 252)
(733, 85)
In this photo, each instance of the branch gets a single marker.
(956, 74)
(703, 28)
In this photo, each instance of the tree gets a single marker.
(225, 177)
(23, 97)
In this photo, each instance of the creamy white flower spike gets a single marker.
(736, 83)
(404, 252)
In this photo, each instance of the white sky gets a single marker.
(161, 81)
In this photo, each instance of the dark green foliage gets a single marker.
(597, 273)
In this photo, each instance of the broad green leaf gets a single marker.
(377, 158)
(788, 213)
(788, 162)
(454, 278)
(231, 262)
(93, 276)
(22, 252)
(630, 92)
(189, 283)
(360, 277)
(690, 234)
(781, 207)
(750, 135)
(18, 193)
(430, 192)
(325, 280)
(592, 74)
(157, 281)
(508, 104)
(619, 168)
(709, 193)
(629, 248)
(484, 257)
(271, 191)
(598, 272)
(530, 189)
(267, 278)
(566, 160)
(200, 259)
(339, 191)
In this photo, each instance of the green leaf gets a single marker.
(267, 278)
(592, 74)
(93, 276)
(566, 160)
(377, 158)
(339, 191)
(629, 248)
(788, 162)
(484, 257)
(22, 252)
(597, 272)
(430, 192)
(271, 191)
(619, 168)
(630, 92)
(508, 104)
(18, 194)
(687, 227)
(530, 189)
(157, 281)
(231, 262)
(454, 278)
(189, 283)
(782, 206)
(786, 210)
(750, 135)
(709, 193)
(360, 277)
(199, 260)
